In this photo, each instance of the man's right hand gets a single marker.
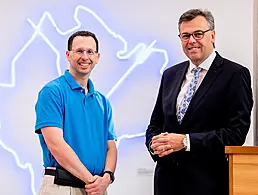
(159, 145)
(166, 143)
(92, 179)
(98, 186)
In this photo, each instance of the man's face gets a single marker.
(83, 56)
(197, 50)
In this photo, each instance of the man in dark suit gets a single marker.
(203, 105)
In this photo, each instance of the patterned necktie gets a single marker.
(188, 96)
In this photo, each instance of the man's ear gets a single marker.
(67, 53)
(213, 33)
(98, 56)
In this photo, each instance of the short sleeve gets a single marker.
(49, 109)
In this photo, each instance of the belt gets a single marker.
(65, 178)
(50, 172)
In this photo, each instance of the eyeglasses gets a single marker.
(197, 35)
(87, 51)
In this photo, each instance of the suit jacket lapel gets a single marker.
(180, 76)
(209, 78)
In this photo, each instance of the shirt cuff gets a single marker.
(187, 143)
(150, 149)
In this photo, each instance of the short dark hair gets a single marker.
(193, 13)
(83, 34)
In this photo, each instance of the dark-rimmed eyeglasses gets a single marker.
(197, 35)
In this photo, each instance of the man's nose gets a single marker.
(84, 55)
(192, 39)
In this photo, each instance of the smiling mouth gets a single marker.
(84, 64)
(193, 48)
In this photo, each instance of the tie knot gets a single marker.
(196, 70)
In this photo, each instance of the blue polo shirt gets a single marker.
(86, 120)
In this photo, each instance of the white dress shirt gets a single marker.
(186, 83)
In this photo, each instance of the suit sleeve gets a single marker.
(239, 103)
(156, 122)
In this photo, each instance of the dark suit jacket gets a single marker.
(218, 115)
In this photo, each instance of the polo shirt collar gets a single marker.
(90, 87)
(75, 85)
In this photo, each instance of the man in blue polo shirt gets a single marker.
(75, 128)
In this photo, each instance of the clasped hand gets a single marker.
(166, 143)
(97, 185)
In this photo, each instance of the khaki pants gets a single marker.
(49, 188)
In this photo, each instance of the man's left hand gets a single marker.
(99, 186)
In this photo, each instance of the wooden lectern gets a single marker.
(243, 170)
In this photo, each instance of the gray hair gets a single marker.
(193, 13)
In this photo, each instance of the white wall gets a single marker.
(137, 22)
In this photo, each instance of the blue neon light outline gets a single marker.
(142, 50)
(25, 166)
